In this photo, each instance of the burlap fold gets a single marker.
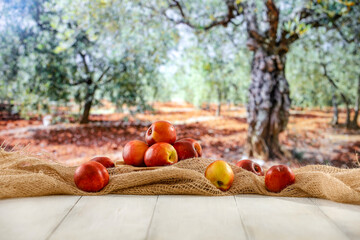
(24, 176)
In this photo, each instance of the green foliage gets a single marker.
(205, 66)
(59, 52)
(338, 48)
(83, 49)
(309, 86)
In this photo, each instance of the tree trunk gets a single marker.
(86, 112)
(347, 123)
(268, 106)
(80, 110)
(335, 120)
(346, 101)
(90, 93)
(218, 110)
(342, 95)
(354, 123)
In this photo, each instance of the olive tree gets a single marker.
(271, 27)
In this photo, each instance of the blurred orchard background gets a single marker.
(276, 80)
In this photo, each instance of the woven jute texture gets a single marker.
(22, 175)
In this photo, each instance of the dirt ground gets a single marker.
(309, 136)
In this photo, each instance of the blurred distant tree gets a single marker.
(348, 28)
(325, 65)
(27, 36)
(219, 70)
(88, 50)
(222, 66)
(312, 85)
(208, 70)
(113, 49)
(281, 24)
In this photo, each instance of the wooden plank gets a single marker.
(177, 217)
(33, 218)
(285, 218)
(345, 216)
(108, 217)
(196, 217)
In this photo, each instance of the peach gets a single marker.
(91, 177)
(160, 131)
(105, 161)
(279, 177)
(185, 150)
(195, 144)
(134, 152)
(160, 154)
(220, 174)
(251, 166)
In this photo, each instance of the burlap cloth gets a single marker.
(22, 175)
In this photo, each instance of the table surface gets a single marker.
(177, 217)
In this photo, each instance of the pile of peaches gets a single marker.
(161, 148)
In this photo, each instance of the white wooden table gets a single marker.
(177, 217)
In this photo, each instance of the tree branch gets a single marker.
(112, 77)
(308, 17)
(232, 40)
(78, 82)
(84, 62)
(233, 11)
(103, 74)
(107, 81)
(332, 82)
(338, 29)
(177, 4)
(236, 24)
(273, 19)
(251, 23)
(223, 20)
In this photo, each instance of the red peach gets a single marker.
(251, 166)
(160, 131)
(134, 152)
(91, 177)
(185, 150)
(220, 174)
(105, 161)
(160, 154)
(195, 144)
(279, 177)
